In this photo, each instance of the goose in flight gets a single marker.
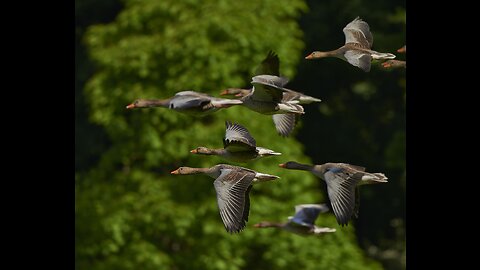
(266, 97)
(302, 222)
(357, 49)
(342, 180)
(189, 102)
(238, 146)
(284, 122)
(232, 185)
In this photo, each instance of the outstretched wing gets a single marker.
(306, 214)
(269, 66)
(189, 99)
(359, 59)
(341, 184)
(268, 88)
(237, 138)
(284, 123)
(358, 31)
(231, 187)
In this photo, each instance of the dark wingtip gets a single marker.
(272, 53)
(234, 230)
(343, 222)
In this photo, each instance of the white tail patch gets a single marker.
(260, 177)
(308, 100)
(374, 177)
(378, 55)
(381, 176)
(290, 108)
(319, 230)
(267, 152)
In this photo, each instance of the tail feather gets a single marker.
(265, 177)
(288, 107)
(377, 55)
(267, 152)
(381, 177)
(308, 100)
(373, 178)
(319, 230)
(284, 123)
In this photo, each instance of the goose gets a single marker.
(302, 222)
(357, 49)
(232, 185)
(284, 123)
(266, 98)
(189, 102)
(238, 146)
(269, 66)
(288, 95)
(342, 180)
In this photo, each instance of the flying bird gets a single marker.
(284, 122)
(238, 146)
(357, 49)
(266, 97)
(188, 102)
(302, 222)
(232, 185)
(342, 180)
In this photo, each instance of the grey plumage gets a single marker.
(232, 185)
(306, 214)
(268, 95)
(342, 181)
(302, 222)
(189, 102)
(238, 146)
(358, 31)
(357, 49)
(284, 123)
(238, 137)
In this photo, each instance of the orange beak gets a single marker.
(194, 151)
(281, 165)
(386, 65)
(224, 92)
(401, 50)
(257, 225)
(174, 172)
(239, 95)
(131, 106)
(309, 56)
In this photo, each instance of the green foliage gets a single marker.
(130, 212)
